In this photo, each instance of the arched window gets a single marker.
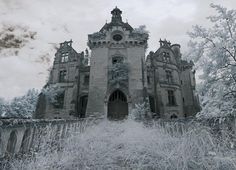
(12, 142)
(25, 141)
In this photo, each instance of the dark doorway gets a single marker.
(117, 106)
(152, 104)
(82, 106)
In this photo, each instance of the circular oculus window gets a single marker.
(117, 37)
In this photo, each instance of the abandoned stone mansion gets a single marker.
(115, 75)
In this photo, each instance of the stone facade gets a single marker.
(118, 76)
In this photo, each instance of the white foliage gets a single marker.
(119, 72)
(20, 107)
(141, 30)
(141, 111)
(214, 52)
(129, 145)
(52, 92)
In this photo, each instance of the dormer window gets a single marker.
(65, 57)
(166, 57)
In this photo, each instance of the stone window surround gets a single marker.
(171, 97)
(64, 57)
(62, 75)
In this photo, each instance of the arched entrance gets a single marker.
(11, 143)
(117, 105)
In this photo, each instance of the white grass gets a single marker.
(132, 145)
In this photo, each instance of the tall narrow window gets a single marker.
(86, 79)
(59, 101)
(169, 77)
(62, 76)
(171, 98)
(64, 57)
(166, 57)
(148, 79)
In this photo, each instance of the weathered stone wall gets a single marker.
(18, 136)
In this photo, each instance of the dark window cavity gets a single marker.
(171, 98)
(166, 57)
(86, 79)
(62, 76)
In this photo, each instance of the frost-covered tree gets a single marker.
(3, 107)
(24, 106)
(54, 93)
(214, 51)
(20, 107)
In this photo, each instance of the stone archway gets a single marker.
(25, 141)
(117, 105)
(12, 143)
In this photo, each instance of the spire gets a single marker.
(116, 15)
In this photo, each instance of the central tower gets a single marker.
(117, 78)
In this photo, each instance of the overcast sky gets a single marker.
(55, 21)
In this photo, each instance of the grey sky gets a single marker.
(59, 20)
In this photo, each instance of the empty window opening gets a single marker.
(64, 57)
(166, 57)
(86, 79)
(62, 76)
(171, 98)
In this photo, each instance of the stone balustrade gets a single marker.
(19, 136)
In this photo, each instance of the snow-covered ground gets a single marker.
(132, 145)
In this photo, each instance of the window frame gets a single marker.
(169, 76)
(166, 57)
(64, 57)
(62, 76)
(171, 98)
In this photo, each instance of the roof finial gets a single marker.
(116, 15)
